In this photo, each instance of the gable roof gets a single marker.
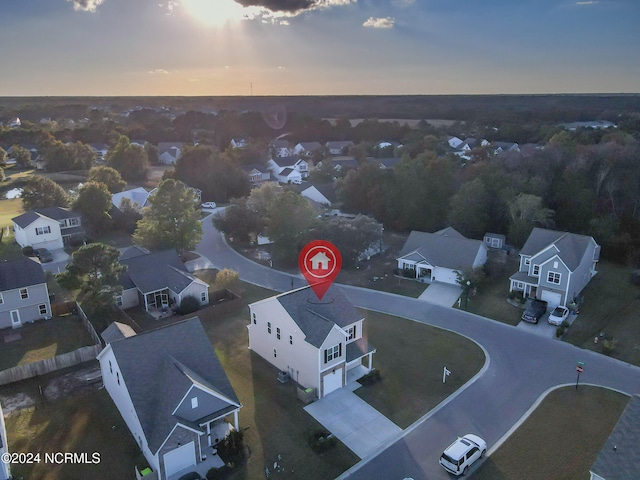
(446, 248)
(53, 213)
(316, 318)
(166, 146)
(158, 372)
(254, 166)
(623, 462)
(155, 271)
(310, 146)
(571, 247)
(20, 273)
(287, 161)
(327, 190)
(339, 144)
(116, 331)
(136, 195)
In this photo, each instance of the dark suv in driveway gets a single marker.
(534, 310)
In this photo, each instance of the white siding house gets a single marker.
(319, 343)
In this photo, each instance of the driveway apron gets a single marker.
(443, 294)
(354, 422)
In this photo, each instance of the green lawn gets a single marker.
(42, 339)
(412, 383)
(9, 208)
(560, 440)
(87, 422)
(611, 306)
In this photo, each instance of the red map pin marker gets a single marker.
(320, 262)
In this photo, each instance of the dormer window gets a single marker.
(194, 402)
(527, 261)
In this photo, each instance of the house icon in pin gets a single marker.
(320, 261)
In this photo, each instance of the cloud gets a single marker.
(159, 71)
(590, 2)
(379, 22)
(86, 5)
(403, 3)
(291, 7)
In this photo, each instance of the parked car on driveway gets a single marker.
(208, 205)
(458, 456)
(534, 310)
(559, 315)
(44, 255)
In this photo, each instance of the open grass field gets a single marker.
(412, 383)
(84, 423)
(560, 440)
(42, 339)
(9, 208)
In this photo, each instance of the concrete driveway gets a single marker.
(59, 262)
(443, 294)
(356, 423)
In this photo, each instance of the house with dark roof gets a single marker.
(169, 152)
(281, 147)
(258, 174)
(339, 147)
(319, 343)
(619, 459)
(440, 256)
(307, 149)
(291, 169)
(24, 296)
(51, 227)
(322, 193)
(555, 266)
(173, 394)
(157, 281)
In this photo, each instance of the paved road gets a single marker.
(520, 368)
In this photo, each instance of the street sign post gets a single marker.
(579, 369)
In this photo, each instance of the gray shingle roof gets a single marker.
(156, 271)
(446, 248)
(158, 369)
(55, 213)
(287, 161)
(116, 331)
(623, 463)
(20, 273)
(571, 246)
(316, 317)
(311, 146)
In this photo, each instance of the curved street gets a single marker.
(520, 368)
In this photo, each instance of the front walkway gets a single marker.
(357, 424)
(443, 294)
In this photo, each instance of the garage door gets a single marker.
(180, 458)
(332, 381)
(552, 298)
(445, 275)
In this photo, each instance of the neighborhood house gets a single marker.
(173, 395)
(51, 228)
(319, 343)
(157, 281)
(440, 256)
(555, 266)
(24, 296)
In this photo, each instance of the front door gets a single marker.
(15, 319)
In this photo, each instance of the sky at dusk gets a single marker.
(318, 47)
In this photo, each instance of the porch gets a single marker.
(158, 301)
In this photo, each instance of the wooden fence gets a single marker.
(42, 367)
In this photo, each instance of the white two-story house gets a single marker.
(555, 266)
(51, 227)
(320, 343)
(291, 169)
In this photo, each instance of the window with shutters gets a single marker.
(333, 353)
